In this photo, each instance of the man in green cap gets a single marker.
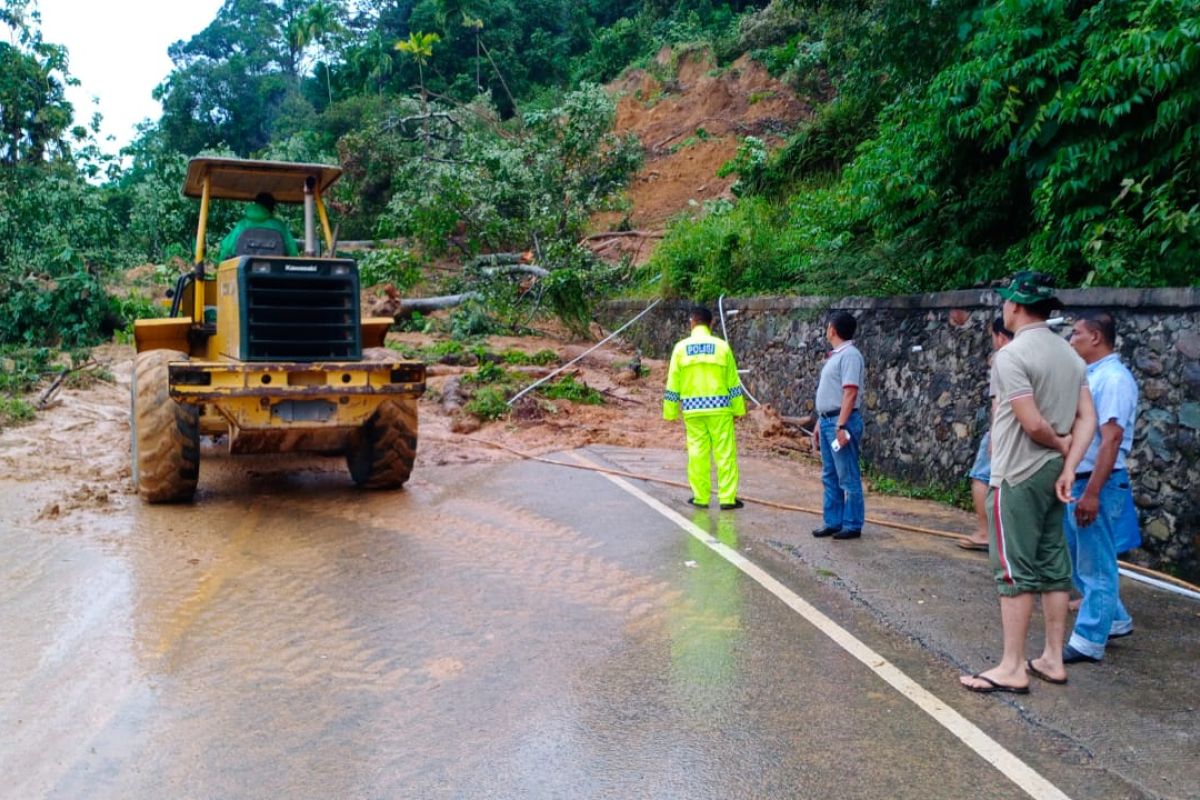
(259, 215)
(1043, 423)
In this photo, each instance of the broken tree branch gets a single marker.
(62, 376)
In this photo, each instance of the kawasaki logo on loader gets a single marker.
(300, 268)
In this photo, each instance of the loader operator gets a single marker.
(703, 380)
(258, 215)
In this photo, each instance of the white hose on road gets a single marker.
(535, 384)
(1167, 587)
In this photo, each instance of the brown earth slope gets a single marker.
(690, 117)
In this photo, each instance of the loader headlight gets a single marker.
(260, 267)
(341, 269)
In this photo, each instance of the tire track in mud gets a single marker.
(563, 563)
(332, 611)
(266, 615)
(500, 572)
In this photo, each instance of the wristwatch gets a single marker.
(842, 428)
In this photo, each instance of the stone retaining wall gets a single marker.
(926, 404)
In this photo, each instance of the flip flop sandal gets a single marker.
(967, 544)
(1037, 673)
(992, 686)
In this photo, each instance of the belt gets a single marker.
(828, 414)
(1083, 476)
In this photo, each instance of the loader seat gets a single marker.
(259, 242)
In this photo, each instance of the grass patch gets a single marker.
(14, 410)
(567, 388)
(541, 358)
(957, 494)
(488, 372)
(489, 403)
(448, 350)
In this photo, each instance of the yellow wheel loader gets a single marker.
(268, 350)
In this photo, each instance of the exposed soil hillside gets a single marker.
(690, 116)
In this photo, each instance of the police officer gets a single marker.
(703, 381)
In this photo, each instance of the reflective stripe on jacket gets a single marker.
(703, 378)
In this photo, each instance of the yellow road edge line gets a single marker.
(1013, 768)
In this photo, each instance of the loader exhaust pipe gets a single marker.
(310, 222)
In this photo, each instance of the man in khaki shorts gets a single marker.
(1044, 421)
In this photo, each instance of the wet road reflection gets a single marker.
(705, 626)
(492, 631)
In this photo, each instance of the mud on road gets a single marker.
(76, 453)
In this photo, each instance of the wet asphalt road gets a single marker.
(510, 631)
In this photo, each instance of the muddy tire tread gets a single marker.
(165, 434)
(381, 455)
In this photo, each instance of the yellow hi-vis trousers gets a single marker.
(711, 434)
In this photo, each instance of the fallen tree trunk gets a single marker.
(532, 269)
(369, 244)
(616, 234)
(426, 304)
(495, 259)
(452, 399)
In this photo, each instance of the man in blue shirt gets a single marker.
(1094, 522)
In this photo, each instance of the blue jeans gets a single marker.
(843, 504)
(981, 470)
(1094, 567)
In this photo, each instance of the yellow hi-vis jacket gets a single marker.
(702, 378)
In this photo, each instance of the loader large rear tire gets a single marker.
(382, 452)
(165, 435)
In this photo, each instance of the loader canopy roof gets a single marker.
(243, 179)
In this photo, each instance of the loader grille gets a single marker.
(298, 311)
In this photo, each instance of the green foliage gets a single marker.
(401, 268)
(487, 372)
(759, 246)
(540, 358)
(613, 49)
(473, 319)
(22, 368)
(34, 112)
(127, 310)
(488, 403)
(236, 83)
(1060, 136)
(567, 388)
(67, 308)
(473, 179)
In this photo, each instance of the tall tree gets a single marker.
(231, 80)
(34, 112)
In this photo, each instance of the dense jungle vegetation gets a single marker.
(953, 142)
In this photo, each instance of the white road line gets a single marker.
(988, 748)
